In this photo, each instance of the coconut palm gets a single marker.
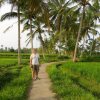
(16, 4)
(2, 2)
(34, 8)
(88, 28)
(79, 32)
(19, 48)
(59, 9)
(65, 18)
(30, 8)
(84, 4)
(37, 30)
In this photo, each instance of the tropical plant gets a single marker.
(15, 4)
(85, 5)
(35, 8)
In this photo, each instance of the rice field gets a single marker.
(15, 81)
(76, 81)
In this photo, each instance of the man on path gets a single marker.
(34, 64)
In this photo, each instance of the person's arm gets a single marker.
(30, 60)
(39, 60)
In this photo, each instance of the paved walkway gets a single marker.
(40, 89)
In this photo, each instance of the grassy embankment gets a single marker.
(14, 81)
(76, 81)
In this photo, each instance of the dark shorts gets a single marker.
(35, 68)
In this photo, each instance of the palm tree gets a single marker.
(15, 3)
(58, 11)
(37, 30)
(19, 46)
(1, 2)
(65, 18)
(35, 8)
(83, 3)
(80, 27)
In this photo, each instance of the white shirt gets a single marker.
(35, 59)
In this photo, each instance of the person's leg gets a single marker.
(36, 74)
(33, 72)
(37, 71)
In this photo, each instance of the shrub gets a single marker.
(90, 59)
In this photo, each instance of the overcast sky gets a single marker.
(9, 39)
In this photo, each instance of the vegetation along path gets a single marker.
(40, 89)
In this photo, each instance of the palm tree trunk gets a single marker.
(78, 37)
(43, 52)
(42, 42)
(91, 48)
(59, 23)
(82, 51)
(31, 34)
(19, 48)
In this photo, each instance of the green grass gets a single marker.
(18, 87)
(48, 57)
(14, 81)
(88, 58)
(7, 62)
(76, 81)
(14, 55)
(86, 69)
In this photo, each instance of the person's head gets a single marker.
(34, 50)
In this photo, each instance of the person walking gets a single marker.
(34, 64)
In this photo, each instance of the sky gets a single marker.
(10, 38)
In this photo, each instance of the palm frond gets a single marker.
(8, 15)
(2, 2)
(94, 31)
(9, 27)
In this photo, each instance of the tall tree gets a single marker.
(79, 33)
(83, 6)
(19, 46)
(37, 30)
(16, 4)
(35, 8)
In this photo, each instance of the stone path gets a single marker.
(40, 89)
